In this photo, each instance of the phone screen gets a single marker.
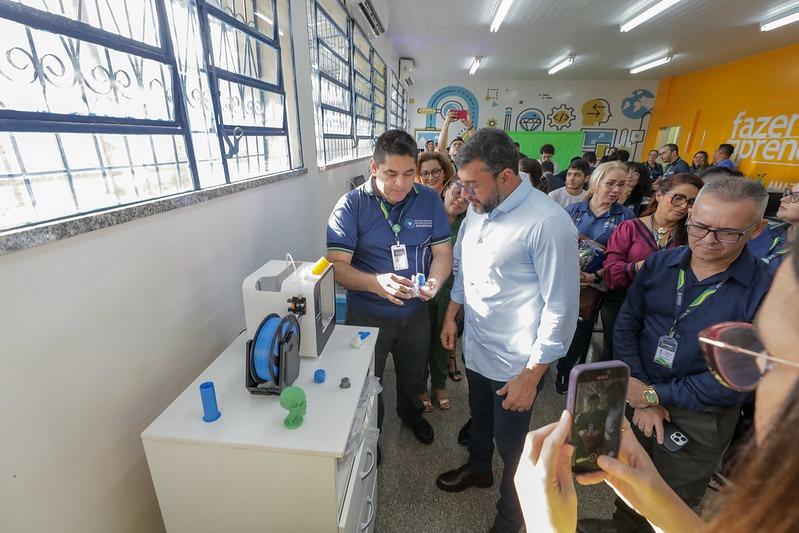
(599, 392)
(460, 114)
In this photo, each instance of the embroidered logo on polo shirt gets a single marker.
(410, 223)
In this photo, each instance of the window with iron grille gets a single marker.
(106, 103)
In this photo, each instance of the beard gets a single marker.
(489, 205)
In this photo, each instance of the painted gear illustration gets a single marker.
(561, 117)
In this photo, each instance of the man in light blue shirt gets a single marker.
(517, 281)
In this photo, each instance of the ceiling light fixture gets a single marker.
(561, 65)
(780, 22)
(651, 64)
(653, 11)
(475, 65)
(499, 16)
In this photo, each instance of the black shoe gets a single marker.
(379, 455)
(595, 525)
(422, 430)
(561, 383)
(463, 434)
(462, 478)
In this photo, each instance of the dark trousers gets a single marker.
(689, 470)
(578, 349)
(611, 305)
(439, 356)
(408, 340)
(492, 423)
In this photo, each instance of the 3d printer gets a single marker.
(290, 311)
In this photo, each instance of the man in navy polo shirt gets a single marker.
(678, 293)
(379, 237)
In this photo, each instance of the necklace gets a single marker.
(661, 234)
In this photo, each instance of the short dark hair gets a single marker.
(728, 149)
(623, 155)
(548, 166)
(531, 166)
(581, 165)
(673, 147)
(455, 139)
(547, 149)
(517, 145)
(491, 146)
(590, 156)
(394, 142)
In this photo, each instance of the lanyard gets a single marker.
(396, 227)
(775, 251)
(679, 314)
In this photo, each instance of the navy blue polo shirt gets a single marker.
(358, 226)
(598, 228)
(648, 313)
(771, 246)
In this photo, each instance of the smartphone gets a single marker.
(460, 114)
(596, 401)
(674, 440)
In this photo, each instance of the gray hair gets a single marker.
(735, 189)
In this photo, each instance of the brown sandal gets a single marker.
(442, 399)
(425, 399)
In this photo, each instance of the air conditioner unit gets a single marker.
(406, 65)
(371, 15)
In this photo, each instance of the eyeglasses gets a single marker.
(735, 355)
(680, 200)
(792, 197)
(727, 236)
(458, 187)
(431, 174)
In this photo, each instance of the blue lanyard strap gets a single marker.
(679, 313)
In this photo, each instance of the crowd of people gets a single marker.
(523, 263)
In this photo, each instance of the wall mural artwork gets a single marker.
(561, 117)
(608, 113)
(530, 119)
(638, 104)
(448, 98)
(596, 112)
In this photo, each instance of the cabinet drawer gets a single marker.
(360, 485)
(345, 465)
(366, 524)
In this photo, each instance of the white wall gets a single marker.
(493, 100)
(100, 332)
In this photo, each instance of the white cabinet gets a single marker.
(246, 472)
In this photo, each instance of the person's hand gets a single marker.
(519, 392)
(450, 116)
(393, 288)
(639, 265)
(429, 289)
(650, 420)
(467, 121)
(635, 393)
(586, 279)
(635, 479)
(544, 479)
(449, 334)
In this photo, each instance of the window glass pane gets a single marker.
(247, 106)
(365, 148)
(363, 127)
(331, 35)
(47, 72)
(289, 83)
(363, 107)
(237, 52)
(333, 66)
(362, 65)
(136, 21)
(361, 42)
(339, 150)
(257, 14)
(259, 156)
(363, 87)
(337, 123)
(335, 11)
(335, 95)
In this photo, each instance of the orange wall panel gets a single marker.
(752, 103)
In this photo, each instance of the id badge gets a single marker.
(666, 351)
(400, 257)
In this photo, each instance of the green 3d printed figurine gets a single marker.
(293, 400)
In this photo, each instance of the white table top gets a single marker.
(256, 421)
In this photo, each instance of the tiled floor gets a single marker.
(408, 499)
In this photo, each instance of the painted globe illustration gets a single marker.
(636, 105)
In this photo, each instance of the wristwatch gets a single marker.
(651, 396)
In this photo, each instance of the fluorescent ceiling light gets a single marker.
(475, 65)
(651, 64)
(562, 65)
(499, 16)
(780, 22)
(653, 11)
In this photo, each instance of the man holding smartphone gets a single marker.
(678, 293)
(516, 272)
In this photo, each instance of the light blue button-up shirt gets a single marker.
(517, 276)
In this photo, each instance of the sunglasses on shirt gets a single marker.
(735, 355)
